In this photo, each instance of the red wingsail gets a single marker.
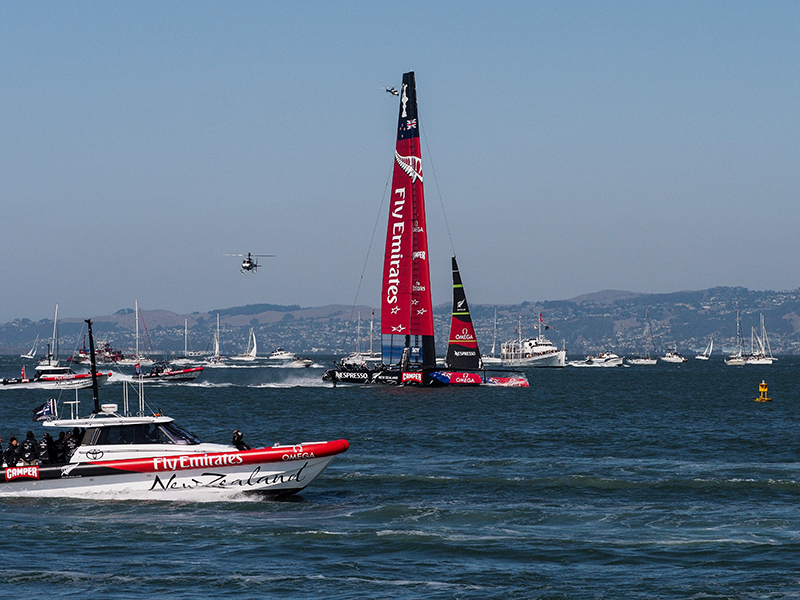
(406, 308)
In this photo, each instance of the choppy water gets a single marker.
(640, 482)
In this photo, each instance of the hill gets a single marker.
(610, 319)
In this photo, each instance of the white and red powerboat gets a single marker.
(166, 372)
(154, 456)
(53, 377)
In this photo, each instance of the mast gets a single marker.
(55, 335)
(95, 391)
(216, 340)
(406, 307)
(136, 304)
(462, 351)
(185, 337)
(371, 327)
(494, 335)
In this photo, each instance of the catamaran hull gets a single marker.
(276, 472)
(428, 378)
(62, 382)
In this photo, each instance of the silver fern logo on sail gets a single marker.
(411, 165)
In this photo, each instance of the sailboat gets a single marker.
(737, 359)
(32, 352)
(706, 354)
(215, 358)
(51, 359)
(136, 359)
(648, 333)
(760, 352)
(249, 354)
(407, 334)
(359, 358)
(492, 359)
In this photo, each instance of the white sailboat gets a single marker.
(357, 358)
(492, 359)
(51, 360)
(32, 352)
(185, 360)
(737, 359)
(648, 334)
(216, 358)
(706, 354)
(249, 354)
(760, 351)
(136, 359)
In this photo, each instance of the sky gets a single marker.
(568, 148)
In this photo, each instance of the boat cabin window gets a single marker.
(144, 433)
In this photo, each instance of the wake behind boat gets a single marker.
(151, 454)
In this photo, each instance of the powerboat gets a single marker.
(281, 354)
(300, 363)
(163, 371)
(54, 377)
(151, 454)
(604, 359)
(672, 356)
(155, 455)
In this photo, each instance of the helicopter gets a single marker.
(250, 263)
(392, 90)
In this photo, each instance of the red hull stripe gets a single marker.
(226, 459)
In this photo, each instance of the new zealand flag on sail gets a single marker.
(407, 124)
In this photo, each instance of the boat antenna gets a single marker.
(95, 393)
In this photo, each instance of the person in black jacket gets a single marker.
(30, 450)
(47, 450)
(238, 441)
(61, 448)
(12, 455)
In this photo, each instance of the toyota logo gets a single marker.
(94, 454)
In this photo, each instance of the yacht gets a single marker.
(532, 352)
(604, 359)
(672, 356)
(281, 354)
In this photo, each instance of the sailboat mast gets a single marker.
(406, 306)
(136, 305)
(55, 334)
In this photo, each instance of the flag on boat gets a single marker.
(45, 411)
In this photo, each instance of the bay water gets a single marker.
(663, 481)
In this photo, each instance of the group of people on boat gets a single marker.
(41, 452)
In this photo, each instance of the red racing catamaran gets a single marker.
(407, 334)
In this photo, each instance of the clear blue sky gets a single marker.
(577, 146)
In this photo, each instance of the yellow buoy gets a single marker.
(762, 392)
